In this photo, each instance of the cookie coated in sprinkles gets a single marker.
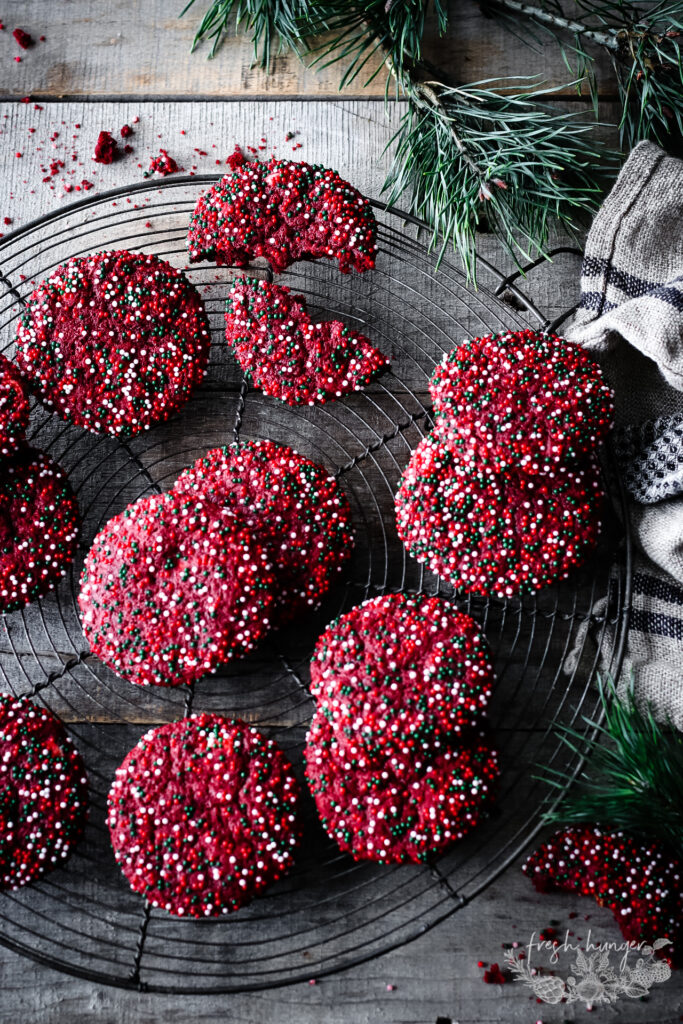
(171, 591)
(410, 807)
(288, 355)
(398, 671)
(204, 815)
(114, 341)
(641, 882)
(291, 505)
(39, 527)
(43, 793)
(284, 211)
(488, 532)
(523, 399)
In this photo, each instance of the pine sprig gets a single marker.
(644, 42)
(484, 156)
(633, 779)
(473, 158)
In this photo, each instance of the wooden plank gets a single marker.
(335, 133)
(97, 49)
(339, 133)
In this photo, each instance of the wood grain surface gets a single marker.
(97, 49)
(103, 65)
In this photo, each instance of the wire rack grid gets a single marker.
(330, 913)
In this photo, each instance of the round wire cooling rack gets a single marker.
(330, 912)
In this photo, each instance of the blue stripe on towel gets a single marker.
(657, 624)
(650, 586)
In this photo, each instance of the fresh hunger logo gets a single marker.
(601, 972)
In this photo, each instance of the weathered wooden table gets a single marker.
(101, 66)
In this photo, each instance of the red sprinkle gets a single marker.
(126, 130)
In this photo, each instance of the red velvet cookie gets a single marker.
(14, 407)
(170, 590)
(523, 399)
(396, 672)
(115, 341)
(284, 211)
(43, 793)
(410, 808)
(290, 357)
(291, 506)
(203, 815)
(39, 526)
(641, 883)
(495, 533)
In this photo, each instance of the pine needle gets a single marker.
(274, 25)
(633, 780)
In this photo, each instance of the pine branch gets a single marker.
(467, 158)
(558, 21)
(644, 44)
(634, 776)
(472, 158)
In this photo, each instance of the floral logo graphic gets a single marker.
(594, 980)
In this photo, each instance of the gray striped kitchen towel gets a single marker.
(653, 649)
(631, 316)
